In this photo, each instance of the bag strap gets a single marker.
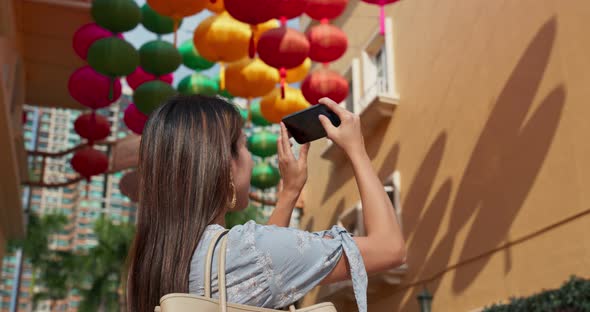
(221, 276)
(209, 262)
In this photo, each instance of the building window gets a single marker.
(380, 62)
(378, 66)
(352, 219)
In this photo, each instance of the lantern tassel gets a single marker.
(111, 88)
(252, 46)
(283, 20)
(382, 19)
(283, 74)
(87, 187)
(249, 107)
(221, 76)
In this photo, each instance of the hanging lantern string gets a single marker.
(111, 88)
(252, 46)
(221, 76)
(382, 19)
(175, 25)
(283, 74)
(249, 108)
(87, 187)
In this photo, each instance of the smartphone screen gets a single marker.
(305, 126)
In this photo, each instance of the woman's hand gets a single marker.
(293, 171)
(348, 135)
(294, 176)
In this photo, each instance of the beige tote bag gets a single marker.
(193, 303)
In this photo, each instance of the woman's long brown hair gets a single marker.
(185, 184)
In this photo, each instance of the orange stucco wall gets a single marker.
(491, 140)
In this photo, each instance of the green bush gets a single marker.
(573, 296)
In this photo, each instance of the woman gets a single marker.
(194, 167)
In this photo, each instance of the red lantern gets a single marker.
(92, 89)
(92, 127)
(283, 48)
(381, 4)
(288, 9)
(139, 76)
(134, 119)
(251, 12)
(89, 162)
(324, 83)
(325, 9)
(327, 43)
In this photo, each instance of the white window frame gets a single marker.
(378, 43)
(352, 219)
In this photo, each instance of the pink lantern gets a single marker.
(86, 35)
(139, 76)
(92, 89)
(134, 119)
(381, 4)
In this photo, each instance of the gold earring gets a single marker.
(234, 198)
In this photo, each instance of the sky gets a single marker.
(140, 35)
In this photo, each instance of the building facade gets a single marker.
(472, 114)
(51, 130)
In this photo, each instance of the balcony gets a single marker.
(375, 106)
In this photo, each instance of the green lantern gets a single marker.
(244, 114)
(265, 176)
(148, 96)
(257, 117)
(116, 15)
(191, 57)
(113, 57)
(198, 84)
(159, 57)
(263, 143)
(156, 23)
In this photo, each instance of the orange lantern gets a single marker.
(250, 78)
(177, 9)
(220, 38)
(215, 7)
(274, 107)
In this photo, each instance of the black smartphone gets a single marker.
(305, 126)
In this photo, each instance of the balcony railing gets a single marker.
(376, 89)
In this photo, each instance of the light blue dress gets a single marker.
(272, 267)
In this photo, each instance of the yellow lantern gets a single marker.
(300, 72)
(215, 7)
(221, 38)
(274, 108)
(250, 78)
